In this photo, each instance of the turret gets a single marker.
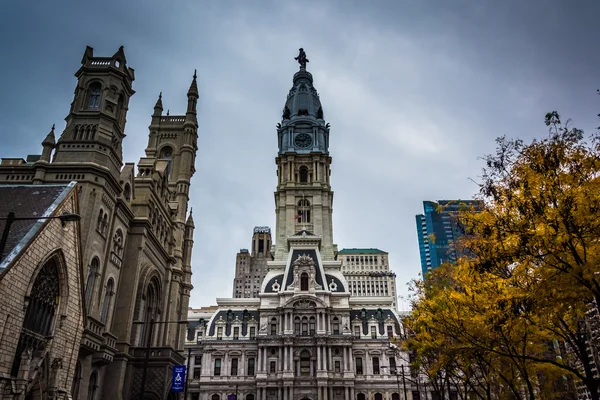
(48, 145)
(158, 107)
(192, 99)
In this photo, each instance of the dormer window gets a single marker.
(94, 97)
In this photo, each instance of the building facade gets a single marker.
(42, 311)
(137, 233)
(437, 231)
(304, 336)
(251, 268)
(368, 273)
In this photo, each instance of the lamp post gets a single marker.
(147, 351)
(10, 218)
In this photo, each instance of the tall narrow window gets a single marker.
(220, 332)
(252, 332)
(304, 326)
(251, 366)
(376, 365)
(236, 333)
(234, 366)
(108, 294)
(357, 332)
(373, 332)
(272, 367)
(118, 243)
(390, 331)
(335, 326)
(95, 91)
(392, 365)
(303, 174)
(359, 366)
(93, 386)
(76, 382)
(305, 363)
(91, 279)
(312, 325)
(297, 325)
(217, 371)
(273, 326)
(304, 281)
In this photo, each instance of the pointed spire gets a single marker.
(50, 139)
(158, 107)
(193, 91)
(190, 220)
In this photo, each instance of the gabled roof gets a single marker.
(27, 201)
(361, 251)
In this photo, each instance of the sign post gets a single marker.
(178, 382)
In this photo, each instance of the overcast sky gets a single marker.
(415, 91)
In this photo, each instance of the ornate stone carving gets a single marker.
(304, 304)
(333, 286)
(304, 259)
(275, 287)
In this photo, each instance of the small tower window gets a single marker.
(95, 94)
(304, 281)
(303, 175)
(167, 154)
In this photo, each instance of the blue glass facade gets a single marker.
(437, 230)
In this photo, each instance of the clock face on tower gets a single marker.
(303, 140)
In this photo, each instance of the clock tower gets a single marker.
(303, 199)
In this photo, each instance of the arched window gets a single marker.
(99, 222)
(150, 309)
(303, 215)
(361, 396)
(303, 174)
(335, 326)
(167, 154)
(312, 325)
(273, 326)
(305, 363)
(93, 386)
(91, 280)
(395, 396)
(76, 382)
(118, 243)
(215, 397)
(39, 316)
(127, 192)
(249, 397)
(109, 291)
(104, 224)
(304, 281)
(304, 326)
(378, 396)
(297, 325)
(95, 91)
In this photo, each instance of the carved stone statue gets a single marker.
(302, 60)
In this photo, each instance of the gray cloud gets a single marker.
(415, 92)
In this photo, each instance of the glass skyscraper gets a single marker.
(437, 231)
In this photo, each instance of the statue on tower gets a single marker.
(302, 60)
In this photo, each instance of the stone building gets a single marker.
(304, 336)
(41, 303)
(368, 273)
(137, 234)
(251, 268)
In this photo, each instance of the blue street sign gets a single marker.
(178, 383)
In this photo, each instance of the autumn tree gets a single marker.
(530, 272)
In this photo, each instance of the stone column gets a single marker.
(344, 358)
(264, 359)
(325, 393)
(352, 395)
(346, 393)
(280, 363)
(330, 359)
